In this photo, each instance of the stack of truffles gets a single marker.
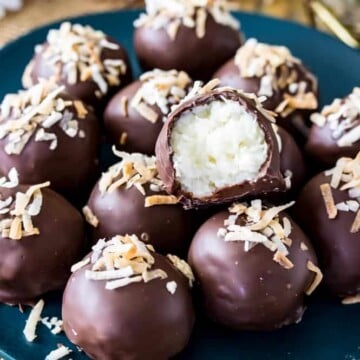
(209, 146)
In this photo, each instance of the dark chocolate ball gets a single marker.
(91, 65)
(248, 290)
(337, 246)
(56, 145)
(122, 211)
(135, 115)
(33, 265)
(335, 131)
(198, 56)
(138, 321)
(272, 72)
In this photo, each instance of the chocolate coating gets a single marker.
(70, 167)
(83, 90)
(229, 75)
(36, 264)
(338, 249)
(249, 290)
(291, 159)
(122, 211)
(199, 57)
(141, 133)
(137, 321)
(269, 179)
(323, 147)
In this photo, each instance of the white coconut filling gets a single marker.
(217, 145)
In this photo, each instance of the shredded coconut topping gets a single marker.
(343, 118)
(183, 267)
(34, 113)
(54, 324)
(33, 320)
(275, 67)
(259, 225)
(11, 181)
(17, 213)
(170, 14)
(58, 353)
(345, 176)
(160, 88)
(124, 260)
(75, 51)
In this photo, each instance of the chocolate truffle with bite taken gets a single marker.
(288, 87)
(336, 130)
(42, 235)
(328, 210)
(129, 199)
(48, 135)
(90, 64)
(188, 35)
(125, 301)
(135, 115)
(218, 146)
(253, 267)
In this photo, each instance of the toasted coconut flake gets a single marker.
(355, 227)
(351, 300)
(328, 200)
(79, 265)
(317, 279)
(160, 200)
(200, 22)
(59, 353)
(11, 181)
(183, 267)
(80, 109)
(109, 274)
(173, 29)
(303, 246)
(90, 217)
(124, 101)
(280, 258)
(123, 138)
(32, 321)
(147, 112)
(171, 287)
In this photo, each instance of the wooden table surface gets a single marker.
(39, 12)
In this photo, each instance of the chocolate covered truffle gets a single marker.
(125, 301)
(336, 130)
(135, 115)
(218, 146)
(41, 236)
(328, 210)
(253, 267)
(129, 199)
(190, 35)
(292, 164)
(91, 65)
(48, 135)
(272, 72)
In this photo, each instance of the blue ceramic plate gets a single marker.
(328, 330)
